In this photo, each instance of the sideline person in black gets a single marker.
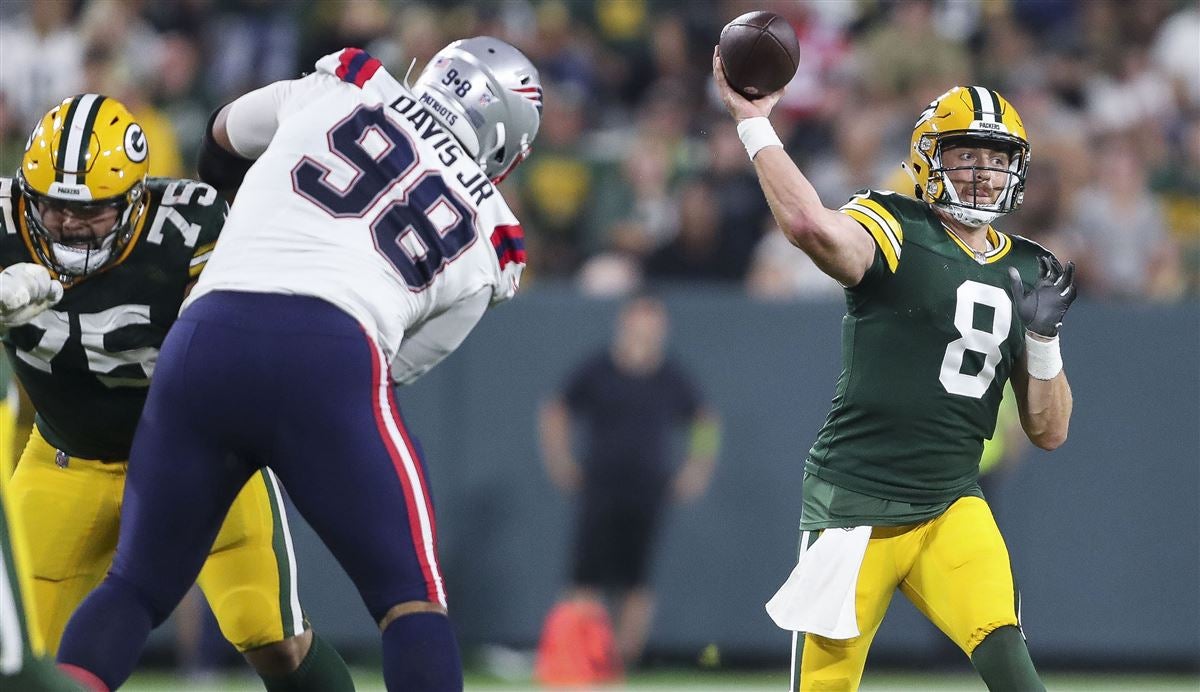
(631, 398)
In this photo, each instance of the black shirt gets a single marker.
(630, 419)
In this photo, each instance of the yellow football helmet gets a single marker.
(971, 115)
(87, 155)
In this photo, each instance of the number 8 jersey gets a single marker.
(359, 197)
(928, 343)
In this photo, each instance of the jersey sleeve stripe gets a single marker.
(896, 233)
(509, 243)
(204, 249)
(356, 66)
(888, 227)
(875, 228)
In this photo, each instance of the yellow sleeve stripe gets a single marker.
(876, 231)
(886, 215)
(205, 249)
(879, 230)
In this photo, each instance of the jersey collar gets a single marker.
(999, 245)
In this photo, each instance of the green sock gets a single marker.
(322, 670)
(1003, 662)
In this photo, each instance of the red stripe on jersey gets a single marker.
(509, 243)
(344, 61)
(411, 496)
(367, 71)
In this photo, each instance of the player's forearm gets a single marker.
(793, 200)
(1046, 414)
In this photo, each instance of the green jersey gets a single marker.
(86, 362)
(929, 339)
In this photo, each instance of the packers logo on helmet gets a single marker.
(970, 116)
(83, 180)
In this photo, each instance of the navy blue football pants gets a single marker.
(249, 380)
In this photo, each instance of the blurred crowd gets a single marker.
(638, 174)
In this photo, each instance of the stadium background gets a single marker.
(638, 178)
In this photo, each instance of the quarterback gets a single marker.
(97, 259)
(367, 239)
(942, 311)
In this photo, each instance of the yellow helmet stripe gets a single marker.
(77, 127)
(874, 225)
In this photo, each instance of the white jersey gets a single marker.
(359, 197)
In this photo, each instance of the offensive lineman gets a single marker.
(368, 236)
(938, 318)
(97, 260)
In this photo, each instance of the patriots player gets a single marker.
(97, 259)
(942, 310)
(366, 240)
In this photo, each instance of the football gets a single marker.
(760, 53)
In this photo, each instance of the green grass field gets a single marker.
(694, 681)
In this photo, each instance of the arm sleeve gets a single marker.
(437, 337)
(254, 117)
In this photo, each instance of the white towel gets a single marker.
(818, 596)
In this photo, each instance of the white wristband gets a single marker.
(757, 133)
(1042, 358)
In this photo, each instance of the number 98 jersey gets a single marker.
(928, 342)
(86, 362)
(361, 198)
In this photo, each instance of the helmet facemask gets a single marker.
(83, 255)
(971, 211)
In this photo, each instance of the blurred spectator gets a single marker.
(252, 43)
(1124, 249)
(780, 271)
(702, 248)
(632, 397)
(41, 55)
(896, 74)
(1177, 182)
(637, 195)
(740, 200)
(1174, 52)
(131, 47)
(556, 186)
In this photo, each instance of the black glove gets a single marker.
(1042, 307)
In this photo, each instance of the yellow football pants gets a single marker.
(954, 569)
(70, 520)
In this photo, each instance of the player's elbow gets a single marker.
(801, 229)
(1049, 440)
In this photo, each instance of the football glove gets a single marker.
(1042, 307)
(26, 289)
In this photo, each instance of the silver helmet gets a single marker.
(489, 96)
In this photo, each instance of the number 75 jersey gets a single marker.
(86, 363)
(930, 337)
(361, 198)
